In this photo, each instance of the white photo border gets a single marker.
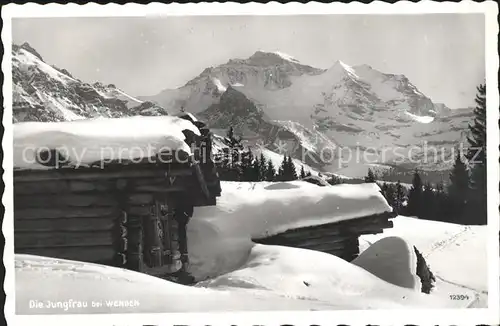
(488, 315)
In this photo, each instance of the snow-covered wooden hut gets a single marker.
(355, 210)
(112, 191)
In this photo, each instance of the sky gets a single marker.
(441, 54)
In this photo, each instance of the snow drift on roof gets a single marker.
(84, 142)
(266, 208)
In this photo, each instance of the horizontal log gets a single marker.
(344, 252)
(376, 219)
(160, 188)
(63, 239)
(72, 212)
(64, 200)
(63, 186)
(49, 186)
(326, 246)
(300, 234)
(98, 174)
(101, 223)
(95, 186)
(317, 241)
(140, 211)
(97, 254)
(140, 198)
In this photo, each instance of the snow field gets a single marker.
(235, 274)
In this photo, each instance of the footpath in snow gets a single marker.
(456, 254)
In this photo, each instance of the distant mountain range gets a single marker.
(273, 100)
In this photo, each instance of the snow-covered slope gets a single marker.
(46, 93)
(456, 254)
(73, 286)
(273, 278)
(240, 275)
(318, 277)
(235, 110)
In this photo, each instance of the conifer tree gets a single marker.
(370, 178)
(442, 204)
(270, 172)
(391, 194)
(415, 196)
(428, 200)
(282, 170)
(247, 166)
(256, 172)
(400, 197)
(477, 160)
(229, 164)
(302, 172)
(383, 189)
(334, 180)
(262, 167)
(459, 181)
(291, 171)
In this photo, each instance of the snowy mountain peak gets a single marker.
(270, 58)
(340, 70)
(340, 65)
(286, 56)
(26, 46)
(42, 92)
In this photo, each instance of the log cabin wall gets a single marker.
(340, 239)
(70, 219)
(104, 216)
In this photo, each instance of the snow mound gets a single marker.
(316, 276)
(456, 254)
(84, 142)
(281, 186)
(78, 288)
(393, 260)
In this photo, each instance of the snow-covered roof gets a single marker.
(84, 142)
(267, 208)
